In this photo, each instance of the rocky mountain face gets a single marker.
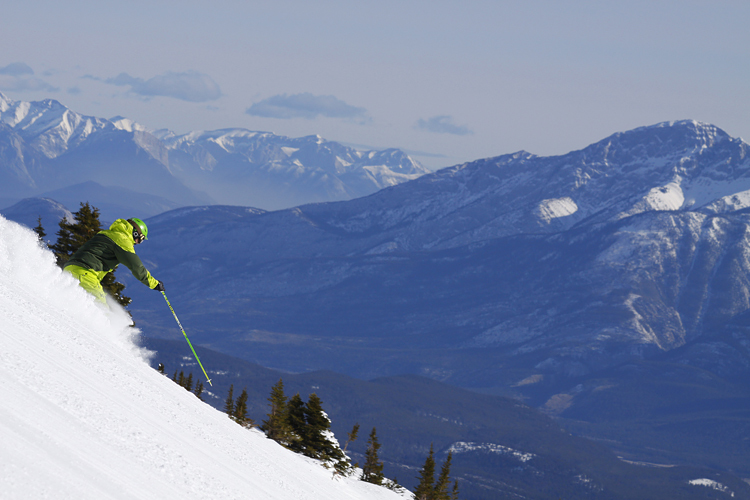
(45, 147)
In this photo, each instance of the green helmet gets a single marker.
(142, 226)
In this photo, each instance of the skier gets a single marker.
(102, 253)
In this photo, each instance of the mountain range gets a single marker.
(46, 147)
(616, 252)
(562, 280)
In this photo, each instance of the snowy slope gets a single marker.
(83, 416)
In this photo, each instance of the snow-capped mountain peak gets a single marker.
(128, 125)
(48, 125)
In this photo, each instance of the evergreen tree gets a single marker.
(372, 471)
(229, 403)
(454, 495)
(297, 424)
(72, 235)
(277, 425)
(443, 482)
(240, 411)
(425, 490)
(352, 436)
(199, 390)
(318, 445)
(189, 382)
(39, 230)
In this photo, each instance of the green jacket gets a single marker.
(107, 249)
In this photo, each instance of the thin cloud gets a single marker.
(189, 86)
(19, 76)
(443, 124)
(307, 106)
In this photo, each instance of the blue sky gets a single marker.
(446, 81)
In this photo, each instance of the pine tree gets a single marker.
(425, 490)
(372, 471)
(72, 235)
(199, 390)
(454, 495)
(229, 403)
(277, 425)
(240, 411)
(297, 424)
(189, 382)
(39, 230)
(443, 482)
(352, 436)
(318, 445)
(344, 465)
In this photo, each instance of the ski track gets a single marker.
(82, 415)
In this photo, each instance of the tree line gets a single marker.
(304, 427)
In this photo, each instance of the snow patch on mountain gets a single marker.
(714, 485)
(465, 447)
(661, 198)
(728, 203)
(556, 208)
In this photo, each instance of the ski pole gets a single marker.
(188, 340)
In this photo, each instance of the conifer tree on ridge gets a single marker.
(277, 425)
(372, 471)
(425, 489)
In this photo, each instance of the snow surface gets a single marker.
(556, 208)
(82, 415)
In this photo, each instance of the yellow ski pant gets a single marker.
(90, 281)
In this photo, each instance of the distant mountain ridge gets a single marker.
(239, 165)
(45, 146)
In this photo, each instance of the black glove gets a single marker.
(159, 287)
